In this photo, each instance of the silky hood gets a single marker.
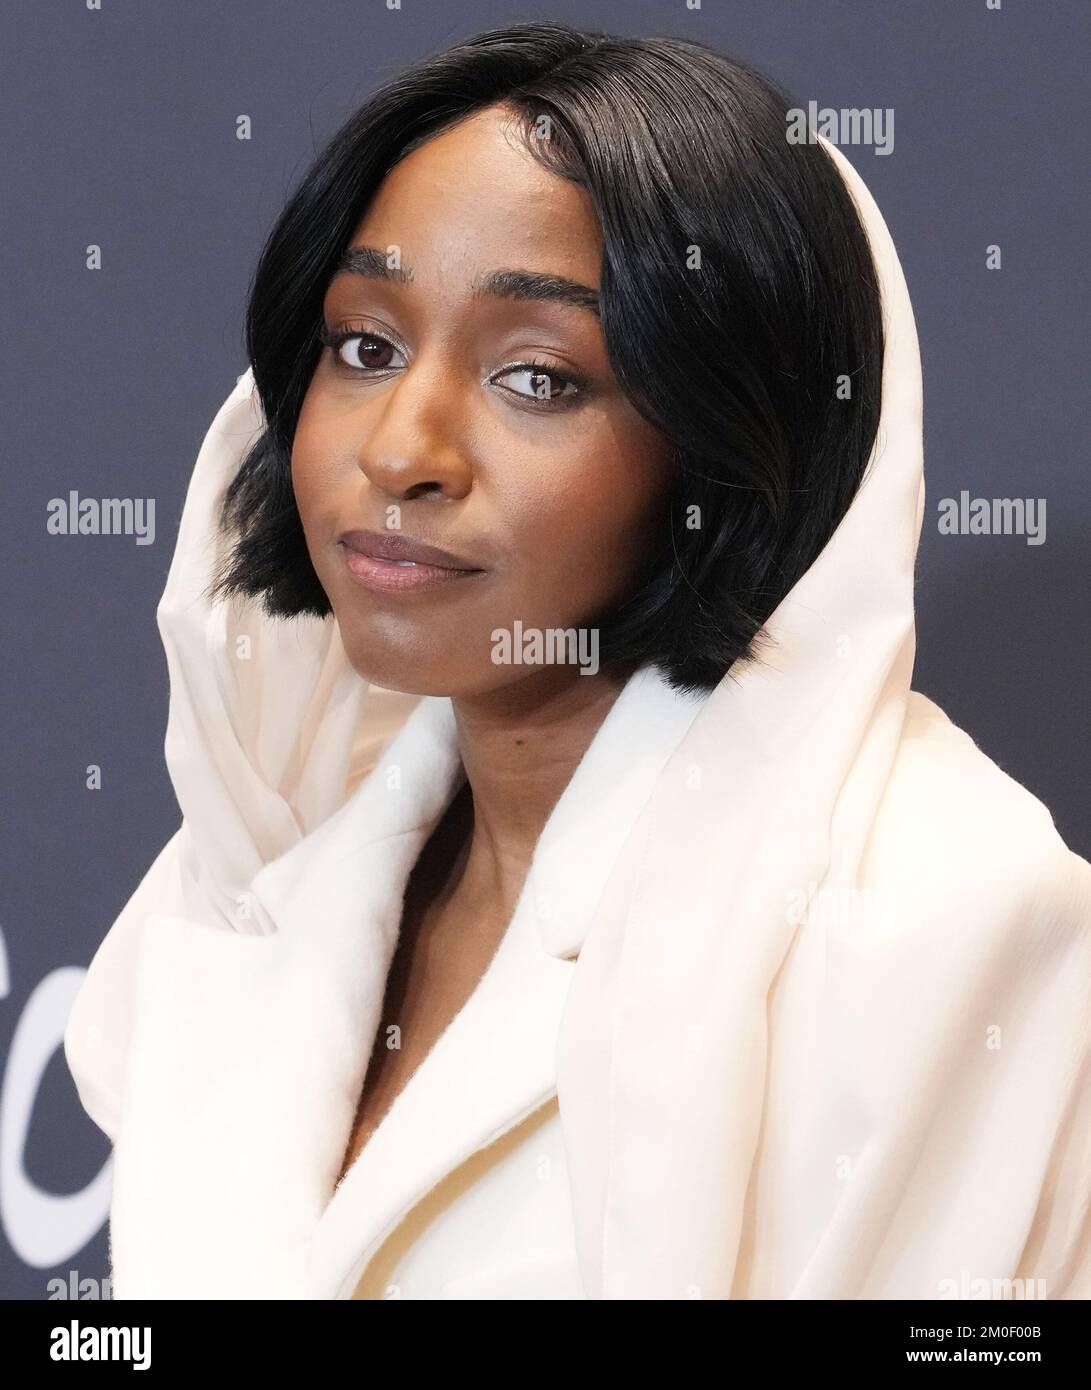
(828, 1031)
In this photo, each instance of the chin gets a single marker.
(459, 677)
(407, 677)
(416, 672)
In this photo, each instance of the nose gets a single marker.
(413, 441)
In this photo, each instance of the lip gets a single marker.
(390, 563)
(392, 545)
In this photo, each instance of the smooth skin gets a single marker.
(420, 419)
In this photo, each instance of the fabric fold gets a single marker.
(827, 1033)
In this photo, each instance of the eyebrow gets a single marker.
(371, 263)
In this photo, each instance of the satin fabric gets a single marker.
(818, 1024)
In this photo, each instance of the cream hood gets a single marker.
(754, 1097)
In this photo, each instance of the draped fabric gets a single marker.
(827, 1033)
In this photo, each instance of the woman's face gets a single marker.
(541, 483)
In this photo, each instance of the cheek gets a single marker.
(308, 480)
(319, 483)
(585, 521)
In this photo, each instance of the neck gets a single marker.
(519, 747)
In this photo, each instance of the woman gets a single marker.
(694, 955)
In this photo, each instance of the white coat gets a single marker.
(804, 976)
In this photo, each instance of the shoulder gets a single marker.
(968, 835)
(940, 764)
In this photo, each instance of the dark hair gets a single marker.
(683, 152)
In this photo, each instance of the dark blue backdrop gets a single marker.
(119, 124)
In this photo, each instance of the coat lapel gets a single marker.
(249, 1049)
(497, 1061)
(493, 1065)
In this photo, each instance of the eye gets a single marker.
(540, 383)
(372, 352)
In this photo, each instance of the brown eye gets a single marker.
(539, 382)
(361, 352)
(372, 352)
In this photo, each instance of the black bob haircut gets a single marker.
(736, 360)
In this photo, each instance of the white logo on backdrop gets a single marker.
(43, 1229)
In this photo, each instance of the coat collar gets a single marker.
(249, 1048)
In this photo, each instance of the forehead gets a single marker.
(473, 198)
